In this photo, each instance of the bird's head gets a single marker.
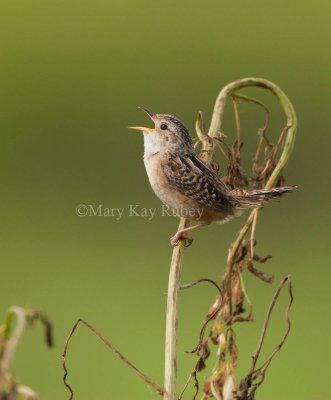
(168, 133)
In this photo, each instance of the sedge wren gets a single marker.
(186, 184)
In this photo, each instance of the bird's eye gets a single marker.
(164, 127)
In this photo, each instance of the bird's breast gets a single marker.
(181, 204)
(155, 174)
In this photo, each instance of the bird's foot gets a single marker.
(180, 235)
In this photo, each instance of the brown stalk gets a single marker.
(272, 174)
(148, 380)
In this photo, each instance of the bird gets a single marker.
(187, 185)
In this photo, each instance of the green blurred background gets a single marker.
(72, 76)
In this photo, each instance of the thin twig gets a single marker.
(255, 357)
(262, 130)
(249, 385)
(237, 119)
(253, 232)
(211, 316)
(148, 380)
(190, 285)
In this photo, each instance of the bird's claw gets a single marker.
(175, 240)
(189, 241)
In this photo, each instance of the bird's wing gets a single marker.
(193, 178)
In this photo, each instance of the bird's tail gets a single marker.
(256, 198)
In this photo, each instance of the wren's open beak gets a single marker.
(142, 128)
(150, 113)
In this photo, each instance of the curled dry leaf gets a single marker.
(266, 172)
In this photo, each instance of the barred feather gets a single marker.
(256, 198)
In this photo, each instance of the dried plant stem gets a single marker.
(290, 128)
(255, 357)
(291, 123)
(143, 376)
(208, 146)
(11, 345)
(172, 320)
(286, 141)
(10, 335)
(174, 286)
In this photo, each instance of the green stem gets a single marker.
(208, 147)
(291, 124)
(291, 128)
(11, 344)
